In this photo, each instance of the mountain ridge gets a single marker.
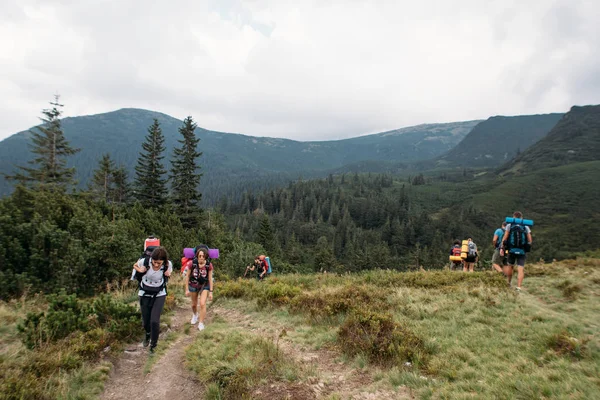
(229, 156)
(575, 138)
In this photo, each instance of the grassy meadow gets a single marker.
(440, 334)
(427, 334)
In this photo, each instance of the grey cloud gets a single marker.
(310, 70)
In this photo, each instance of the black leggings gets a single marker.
(151, 309)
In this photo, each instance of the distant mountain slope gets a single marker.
(497, 140)
(232, 162)
(575, 138)
(562, 201)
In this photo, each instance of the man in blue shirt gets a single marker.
(498, 261)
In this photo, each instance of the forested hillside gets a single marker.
(232, 163)
(575, 138)
(498, 139)
(356, 222)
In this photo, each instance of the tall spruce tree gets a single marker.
(185, 177)
(120, 191)
(102, 181)
(150, 184)
(49, 166)
(266, 236)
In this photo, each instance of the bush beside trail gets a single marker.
(59, 343)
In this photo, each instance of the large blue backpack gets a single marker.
(517, 240)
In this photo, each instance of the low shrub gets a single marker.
(563, 343)
(67, 315)
(569, 289)
(341, 300)
(120, 319)
(380, 338)
(277, 293)
(235, 289)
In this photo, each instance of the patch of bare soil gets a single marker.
(168, 379)
(331, 376)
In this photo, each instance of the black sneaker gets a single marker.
(146, 341)
(152, 349)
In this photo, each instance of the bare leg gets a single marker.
(194, 296)
(508, 271)
(497, 268)
(203, 297)
(520, 275)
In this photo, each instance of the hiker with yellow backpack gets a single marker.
(469, 254)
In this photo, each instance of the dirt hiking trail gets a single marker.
(170, 379)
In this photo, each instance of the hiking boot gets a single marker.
(146, 341)
(518, 288)
(200, 326)
(152, 349)
(194, 319)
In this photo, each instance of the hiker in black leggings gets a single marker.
(153, 293)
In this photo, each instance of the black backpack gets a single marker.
(147, 256)
(201, 281)
(517, 239)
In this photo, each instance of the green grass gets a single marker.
(233, 362)
(480, 338)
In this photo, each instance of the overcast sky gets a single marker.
(300, 69)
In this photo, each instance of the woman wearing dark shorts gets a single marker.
(199, 285)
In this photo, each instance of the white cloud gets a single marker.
(304, 70)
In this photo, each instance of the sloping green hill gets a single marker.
(575, 138)
(497, 140)
(233, 162)
(563, 202)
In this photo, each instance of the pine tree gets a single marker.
(265, 235)
(120, 191)
(102, 183)
(185, 177)
(151, 187)
(51, 149)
